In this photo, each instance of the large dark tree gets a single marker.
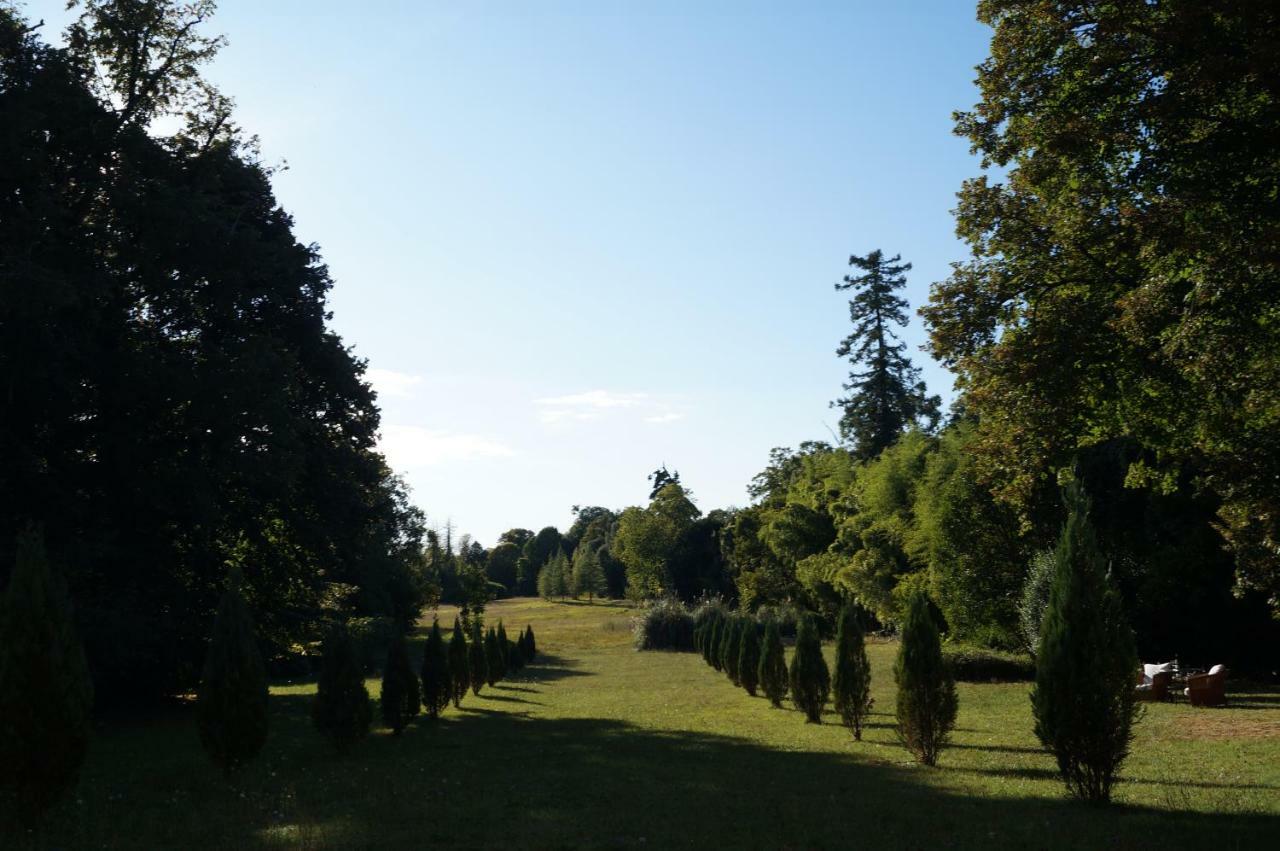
(173, 400)
(233, 697)
(886, 395)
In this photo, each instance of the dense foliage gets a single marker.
(749, 656)
(665, 624)
(459, 663)
(851, 685)
(926, 701)
(809, 678)
(231, 705)
(773, 665)
(341, 709)
(399, 697)
(437, 679)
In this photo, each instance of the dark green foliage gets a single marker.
(851, 686)
(723, 644)
(399, 695)
(494, 667)
(459, 664)
(665, 625)
(810, 680)
(749, 656)
(341, 708)
(980, 665)
(477, 658)
(437, 682)
(531, 644)
(504, 645)
(733, 648)
(515, 653)
(715, 635)
(1083, 700)
(232, 702)
(45, 691)
(773, 665)
(926, 706)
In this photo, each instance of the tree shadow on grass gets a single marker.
(1027, 773)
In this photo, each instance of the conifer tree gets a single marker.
(588, 573)
(477, 658)
(712, 649)
(1083, 700)
(515, 653)
(504, 645)
(493, 658)
(810, 680)
(459, 664)
(728, 644)
(851, 685)
(437, 682)
(399, 695)
(926, 687)
(232, 702)
(341, 708)
(45, 691)
(773, 665)
(749, 656)
(531, 651)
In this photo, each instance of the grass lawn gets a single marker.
(598, 745)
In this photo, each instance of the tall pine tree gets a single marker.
(232, 701)
(886, 395)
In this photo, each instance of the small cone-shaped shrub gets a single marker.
(477, 658)
(504, 644)
(341, 708)
(773, 665)
(45, 691)
(712, 651)
(749, 657)
(531, 650)
(459, 664)
(1083, 700)
(437, 682)
(926, 687)
(232, 702)
(492, 658)
(851, 685)
(399, 695)
(516, 654)
(728, 646)
(810, 680)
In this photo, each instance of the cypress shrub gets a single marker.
(851, 686)
(437, 682)
(1083, 700)
(749, 657)
(728, 636)
(477, 658)
(492, 658)
(733, 649)
(531, 650)
(45, 691)
(399, 694)
(926, 687)
(516, 655)
(459, 664)
(712, 651)
(341, 707)
(231, 706)
(773, 665)
(810, 680)
(504, 645)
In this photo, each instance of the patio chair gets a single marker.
(1207, 689)
(1157, 688)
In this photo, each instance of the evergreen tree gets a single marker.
(926, 687)
(531, 650)
(810, 680)
(399, 695)
(588, 573)
(749, 656)
(515, 652)
(494, 670)
(504, 645)
(887, 395)
(459, 664)
(1083, 700)
(712, 649)
(437, 681)
(45, 691)
(728, 649)
(773, 665)
(852, 682)
(232, 701)
(477, 658)
(341, 708)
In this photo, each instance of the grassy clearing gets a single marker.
(598, 745)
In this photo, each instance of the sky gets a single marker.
(576, 241)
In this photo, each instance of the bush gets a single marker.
(531, 644)
(749, 656)
(773, 665)
(459, 664)
(709, 609)
(493, 658)
(399, 695)
(341, 708)
(852, 682)
(711, 649)
(1083, 700)
(665, 624)
(232, 702)
(1035, 598)
(927, 700)
(477, 658)
(504, 647)
(45, 691)
(785, 615)
(437, 682)
(733, 648)
(980, 665)
(810, 679)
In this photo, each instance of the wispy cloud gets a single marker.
(596, 404)
(668, 417)
(409, 446)
(595, 399)
(389, 383)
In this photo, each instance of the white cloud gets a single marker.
(595, 399)
(668, 417)
(409, 446)
(389, 383)
(597, 404)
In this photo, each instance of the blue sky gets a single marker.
(579, 240)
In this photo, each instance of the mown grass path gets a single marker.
(596, 745)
